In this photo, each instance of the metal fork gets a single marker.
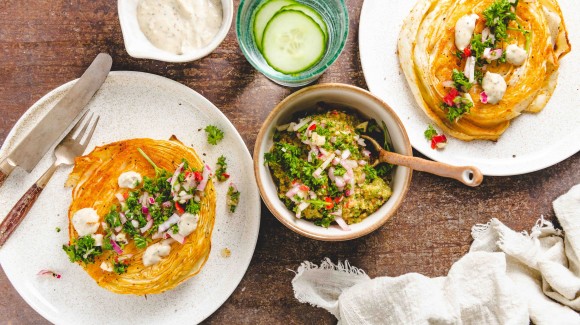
(70, 147)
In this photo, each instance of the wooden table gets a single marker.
(44, 44)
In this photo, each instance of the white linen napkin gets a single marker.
(506, 278)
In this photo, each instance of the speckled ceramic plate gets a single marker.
(532, 142)
(131, 105)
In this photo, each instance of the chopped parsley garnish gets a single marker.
(430, 132)
(83, 249)
(460, 81)
(140, 241)
(233, 198)
(120, 267)
(57, 229)
(371, 173)
(214, 135)
(498, 16)
(221, 172)
(454, 112)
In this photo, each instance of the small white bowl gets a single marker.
(138, 46)
(358, 100)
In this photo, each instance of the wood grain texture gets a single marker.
(44, 44)
(18, 213)
(2, 177)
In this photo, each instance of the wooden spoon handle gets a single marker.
(5, 170)
(21, 208)
(2, 177)
(468, 175)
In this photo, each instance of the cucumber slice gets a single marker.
(292, 42)
(263, 15)
(312, 13)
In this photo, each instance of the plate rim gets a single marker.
(27, 295)
(490, 166)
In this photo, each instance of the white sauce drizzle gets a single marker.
(180, 26)
(86, 221)
(129, 180)
(515, 55)
(154, 253)
(464, 30)
(494, 86)
(187, 224)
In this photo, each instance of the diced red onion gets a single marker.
(362, 179)
(118, 229)
(149, 217)
(324, 152)
(469, 70)
(144, 209)
(483, 97)
(366, 153)
(495, 54)
(151, 200)
(335, 161)
(318, 172)
(362, 162)
(448, 84)
(180, 239)
(339, 181)
(205, 178)
(345, 154)
(155, 235)
(485, 34)
(340, 221)
(331, 174)
(175, 176)
(348, 192)
(293, 191)
(147, 226)
(168, 223)
(116, 247)
(120, 197)
(166, 204)
(123, 218)
(135, 223)
(302, 122)
(49, 272)
(361, 142)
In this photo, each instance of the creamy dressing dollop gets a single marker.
(187, 224)
(464, 30)
(180, 26)
(129, 179)
(86, 221)
(494, 86)
(154, 253)
(515, 55)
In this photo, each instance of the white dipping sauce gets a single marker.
(129, 180)
(515, 55)
(155, 252)
(464, 30)
(180, 26)
(86, 221)
(187, 224)
(494, 86)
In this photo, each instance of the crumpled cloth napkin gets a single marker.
(506, 278)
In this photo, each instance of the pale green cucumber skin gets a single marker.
(260, 12)
(312, 13)
(308, 20)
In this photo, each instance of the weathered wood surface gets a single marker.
(44, 44)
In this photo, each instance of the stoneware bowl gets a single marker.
(360, 101)
(138, 46)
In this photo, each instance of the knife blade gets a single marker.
(28, 152)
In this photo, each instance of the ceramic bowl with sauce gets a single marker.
(333, 12)
(354, 99)
(139, 45)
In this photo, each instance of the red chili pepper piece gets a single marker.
(329, 203)
(438, 141)
(226, 175)
(304, 188)
(466, 52)
(448, 99)
(312, 127)
(179, 208)
(198, 176)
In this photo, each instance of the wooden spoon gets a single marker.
(468, 175)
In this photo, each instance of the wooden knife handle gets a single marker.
(2, 177)
(18, 212)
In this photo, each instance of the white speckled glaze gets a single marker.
(138, 46)
(131, 105)
(532, 142)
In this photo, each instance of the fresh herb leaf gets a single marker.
(214, 135)
(221, 172)
(233, 198)
(460, 81)
(498, 16)
(383, 170)
(120, 267)
(371, 173)
(325, 221)
(430, 132)
(461, 106)
(82, 249)
(57, 229)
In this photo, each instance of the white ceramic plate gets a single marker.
(131, 105)
(532, 142)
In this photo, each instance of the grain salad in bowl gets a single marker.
(316, 173)
(324, 171)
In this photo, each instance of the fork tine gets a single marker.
(79, 136)
(70, 134)
(91, 131)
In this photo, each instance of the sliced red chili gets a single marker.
(312, 127)
(179, 208)
(448, 99)
(466, 52)
(329, 203)
(304, 188)
(198, 176)
(226, 175)
(438, 141)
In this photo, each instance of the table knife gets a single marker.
(28, 152)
